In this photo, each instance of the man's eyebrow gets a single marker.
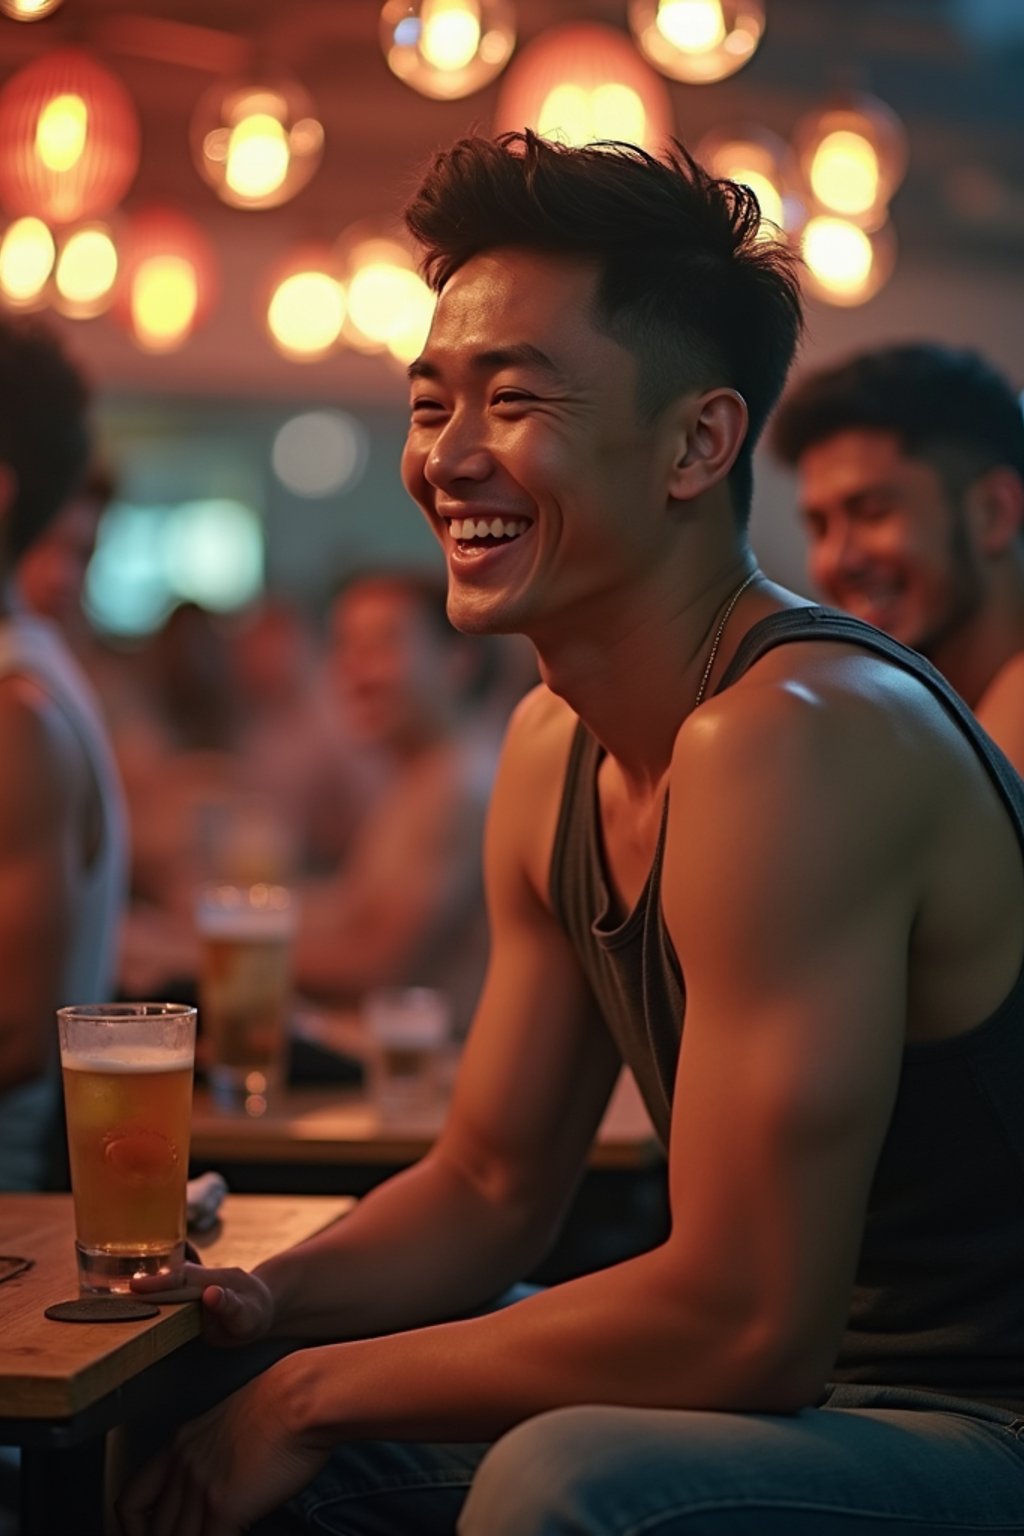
(523, 354)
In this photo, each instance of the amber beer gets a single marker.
(245, 937)
(128, 1096)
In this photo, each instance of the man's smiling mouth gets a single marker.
(476, 531)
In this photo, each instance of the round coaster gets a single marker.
(101, 1309)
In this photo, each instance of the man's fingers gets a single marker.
(232, 1313)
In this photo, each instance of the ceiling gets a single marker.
(952, 69)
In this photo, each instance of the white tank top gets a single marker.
(33, 648)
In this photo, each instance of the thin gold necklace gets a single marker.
(719, 632)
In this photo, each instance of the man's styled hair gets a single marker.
(947, 406)
(684, 282)
(44, 432)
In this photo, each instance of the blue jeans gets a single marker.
(878, 1460)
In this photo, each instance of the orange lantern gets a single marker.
(583, 82)
(168, 280)
(69, 139)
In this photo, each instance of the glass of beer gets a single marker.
(245, 935)
(128, 1100)
(408, 1036)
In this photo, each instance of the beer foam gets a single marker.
(128, 1058)
(245, 923)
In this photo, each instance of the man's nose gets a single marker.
(458, 452)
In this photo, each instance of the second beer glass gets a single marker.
(245, 934)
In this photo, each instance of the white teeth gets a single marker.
(477, 528)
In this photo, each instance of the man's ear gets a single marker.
(995, 507)
(711, 431)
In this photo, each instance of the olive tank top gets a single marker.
(938, 1302)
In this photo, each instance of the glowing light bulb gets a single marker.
(306, 313)
(844, 173)
(609, 111)
(694, 26)
(447, 48)
(164, 300)
(258, 156)
(380, 297)
(86, 269)
(839, 255)
(26, 260)
(450, 34)
(61, 132)
(28, 10)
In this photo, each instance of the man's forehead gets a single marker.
(512, 308)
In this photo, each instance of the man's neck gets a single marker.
(632, 672)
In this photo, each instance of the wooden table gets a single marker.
(340, 1127)
(64, 1385)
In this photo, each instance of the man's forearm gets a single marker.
(425, 1246)
(619, 1336)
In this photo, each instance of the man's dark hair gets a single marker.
(947, 406)
(684, 282)
(44, 431)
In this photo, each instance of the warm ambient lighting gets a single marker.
(69, 139)
(584, 82)
(845, 264)
(27, 254)
(168, 279)
(29, 10)
(853, 156)
(86, 272)
(447, 48)
(697, 40)
(256, 144)
(389, 304)
(758, 159)
(306, 308)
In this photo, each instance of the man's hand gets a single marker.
(227, 1468)
(237, 1306)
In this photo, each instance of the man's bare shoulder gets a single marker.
(827, 725)
(38, 762)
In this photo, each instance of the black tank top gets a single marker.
(939, 1297)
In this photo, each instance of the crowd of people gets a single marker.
(765, 852)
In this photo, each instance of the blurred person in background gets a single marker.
(406, 907)
(62, 827)
(52, 571)
(910, 462)
(298, 754)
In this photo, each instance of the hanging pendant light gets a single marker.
(305, 304)
(86, 271)
(698, 41)
(389, 304)
(69, 139)
(27, 253)
(759, 159)
(843, 263)
(168, 279)
(852, 154)
(29, 10)
(583, 82)
(257, 143)
(447, 48)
